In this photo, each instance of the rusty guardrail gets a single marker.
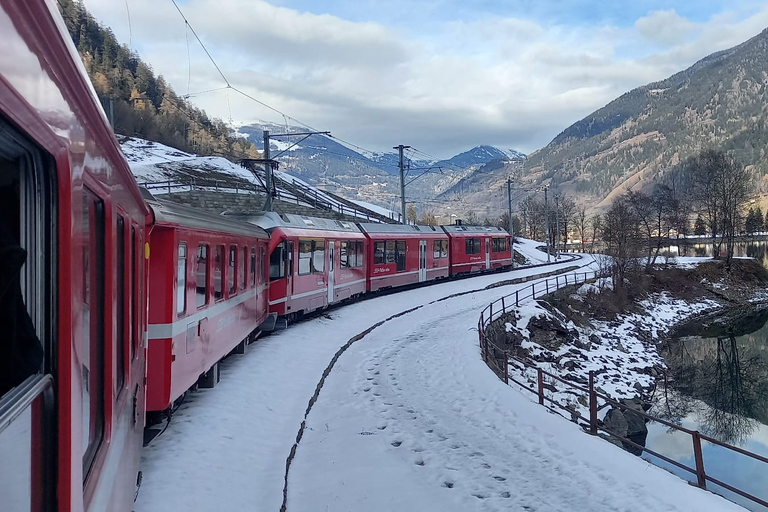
(498, 360)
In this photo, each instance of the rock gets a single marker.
(635, 422)
(594, 338)
(549, 332)
(616, 422)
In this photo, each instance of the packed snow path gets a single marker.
(226, 447)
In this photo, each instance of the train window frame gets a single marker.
(318, 256)
(344, 254)
(93, 298)
(379, 253)
(120, 316)
(219, 253)
(277, 259)
(252, 268)
(242, 267)
(440, 249)
(135, 293)
(472, 245)
(206, 276)
(260, 263)
(232, 258)
(498, 244)
(305, 257)
(401, 249)
(181, 279)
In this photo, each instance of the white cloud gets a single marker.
(665, 27)
(508, 81)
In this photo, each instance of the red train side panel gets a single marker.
(207, 293)
(69, 197)
(478, 248)
(400, 254)
(312, 262)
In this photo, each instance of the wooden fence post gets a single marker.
(700, 475)
(541, 386)
(503, 306)
(592, 404)
(517, 300)
(546, 282)
(506, 367)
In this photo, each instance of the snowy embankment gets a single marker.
(408, 419)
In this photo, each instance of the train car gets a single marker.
(72, 281)
(207, 296)
(313, 262)
(400, 255)
(478, 248)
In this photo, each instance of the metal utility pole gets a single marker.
(557, 226)
(546, 221)
(268, 163)
(267, 173)
(511, 223)
(400, 149)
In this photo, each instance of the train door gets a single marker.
(487, 253)
(422, 261)
(331, 266)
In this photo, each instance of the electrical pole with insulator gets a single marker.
(511, 224)
(267, 173)
(400, 149)
(546, 222)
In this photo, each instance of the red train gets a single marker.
(90, 316)
(72, 235)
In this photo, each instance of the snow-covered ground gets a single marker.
(409, 418)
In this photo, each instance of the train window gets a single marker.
(499, 244)
(218, 272)
(472, 245)
(344, 254)
(390, 252)
(305, 257)
(360, 254)
(252, 268)
(400, 254)
(441, 249)
(202, 275)
(262, 252)
(120, 305)
(241, 268)
(92, 335)
(135, 294)
(181, 280)
(318, 256)
(378, 253)
(277, 262)
(231, 286)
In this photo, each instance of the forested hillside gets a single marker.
(142, 104)
(718, 103)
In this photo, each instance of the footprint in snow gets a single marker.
(396, 444)
(448, 484)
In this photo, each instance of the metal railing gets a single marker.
(499, 360)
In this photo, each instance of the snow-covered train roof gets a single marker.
(174, 214)
(493, 230)
(371, 227)
(270, 220)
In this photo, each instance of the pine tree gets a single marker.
(700, 227)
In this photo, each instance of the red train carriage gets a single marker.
(207, 296)
(72, 301)
(400, 254)
(313, 262)
(478, 248)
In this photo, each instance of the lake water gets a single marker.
(717, 383)
(756, 249)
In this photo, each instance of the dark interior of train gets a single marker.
(21, 354)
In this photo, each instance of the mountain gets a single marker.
(720, 102)
(368, 176)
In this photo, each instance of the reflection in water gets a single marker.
(757, 250)
(728, 371)
(717, 383)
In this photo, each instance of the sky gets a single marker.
(442, 76)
